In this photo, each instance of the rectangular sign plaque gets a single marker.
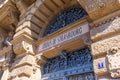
(64, 37)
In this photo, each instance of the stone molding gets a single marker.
(107, 29)
(101, 47)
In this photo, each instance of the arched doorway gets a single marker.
(72, 65)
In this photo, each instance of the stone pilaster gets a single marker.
(106, 39)
(24, 66)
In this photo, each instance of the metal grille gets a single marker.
(65, 18)
(69, 60)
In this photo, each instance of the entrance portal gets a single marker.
(75, 65)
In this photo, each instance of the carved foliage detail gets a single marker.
(113, 58)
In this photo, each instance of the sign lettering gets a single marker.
(64, 37)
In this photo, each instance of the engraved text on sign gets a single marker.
(64, 37)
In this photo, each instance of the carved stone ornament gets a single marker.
(113, 58)
(23, 47)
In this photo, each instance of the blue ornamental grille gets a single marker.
(77, 58)
(65, 18)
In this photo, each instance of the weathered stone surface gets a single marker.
(30, 25)
(24, 70)
(8, 14)
(100, 66)
(28, 59)
(101, 47)
(106, 30)
(41, 60)
(28, 32)
(3, 2)
(37, 74)
(20, 78)
(23, 47)
(113, 58)
(2, 37)
(99, 8)
(5, 75)
(6, 50)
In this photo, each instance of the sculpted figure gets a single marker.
(113, 58)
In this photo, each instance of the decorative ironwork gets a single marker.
(65, 18)
(78, 58)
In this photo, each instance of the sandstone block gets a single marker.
(24, 70)
(23, 47)
(97, 8)
(28, 32)
(30, 25)
(101, 47)
(105, 30)
(100, 66)
(28, 59)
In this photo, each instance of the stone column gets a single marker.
(24, 66)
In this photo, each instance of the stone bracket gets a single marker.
(23, 47)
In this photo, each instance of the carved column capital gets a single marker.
(23, 47)
(113, 58)
(23, 44)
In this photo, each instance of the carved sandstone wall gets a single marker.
(30, 18)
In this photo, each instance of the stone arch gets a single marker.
(65, 18)
(41, 13)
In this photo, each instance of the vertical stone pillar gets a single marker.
(106, 49)
(24, 66)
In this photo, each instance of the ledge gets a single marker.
(80, 30)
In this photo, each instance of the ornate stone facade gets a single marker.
(27, 54)
(113, 57)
